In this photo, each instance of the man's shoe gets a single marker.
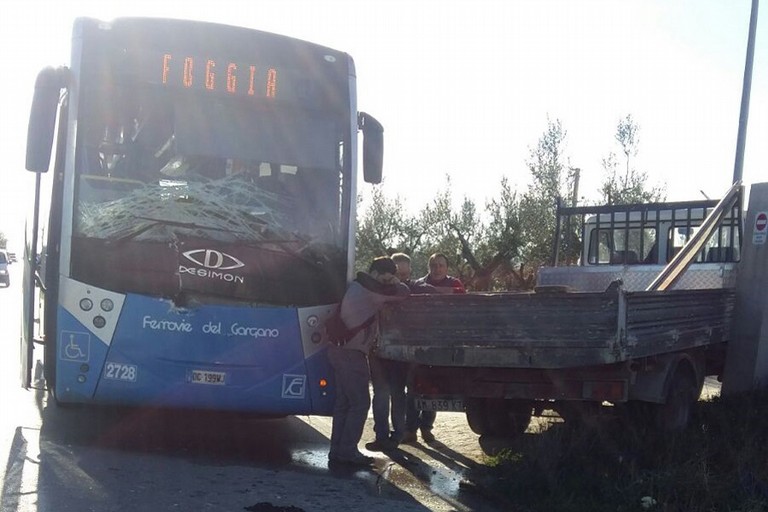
(356, 460)
(427, 436)
(380, 445)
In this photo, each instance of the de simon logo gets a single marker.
(212, 259)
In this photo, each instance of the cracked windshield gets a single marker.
(245, 195)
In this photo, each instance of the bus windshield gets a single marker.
(183, 190)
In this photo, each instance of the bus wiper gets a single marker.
(160, 222)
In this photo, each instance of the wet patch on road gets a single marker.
(268, 507)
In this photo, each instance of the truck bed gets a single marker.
(552, 329)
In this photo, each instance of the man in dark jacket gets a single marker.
(364, 297)
(415, 419)
(438, 276)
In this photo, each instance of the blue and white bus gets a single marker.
(199, 223)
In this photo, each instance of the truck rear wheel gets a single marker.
(498, 417)
(476, 417)
(509, 418)
(675, 414)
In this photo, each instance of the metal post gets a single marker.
(738, 166)
(746, 363)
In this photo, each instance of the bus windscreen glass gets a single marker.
(210, 177)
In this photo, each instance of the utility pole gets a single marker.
(575, 173)
(738, 167)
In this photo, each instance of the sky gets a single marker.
(465, 88)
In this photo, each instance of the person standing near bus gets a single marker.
(438, 276)
(416, 420)
(389, 378)
(364, 297)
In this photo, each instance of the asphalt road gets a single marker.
(60, 460)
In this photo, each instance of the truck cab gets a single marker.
(596, 245)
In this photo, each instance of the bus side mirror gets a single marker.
(42, 117)
(373, 147)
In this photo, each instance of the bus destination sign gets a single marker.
(206, 74)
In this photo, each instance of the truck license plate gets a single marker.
(206, 377)
(440, 404)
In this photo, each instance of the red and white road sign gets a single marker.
(761, 221)
(760, 234)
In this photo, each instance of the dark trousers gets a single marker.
(350, 409)
(414, 418)
(389, 380)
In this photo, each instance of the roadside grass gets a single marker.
(719, 463)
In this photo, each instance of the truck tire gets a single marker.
(498, 417)
(476, 417)
(682, 395)
(509, 418)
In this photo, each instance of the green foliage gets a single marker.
(437, 220)
(481, 253)
(501, 246)
(628, 185)
(385, 229)
(537, 207)
(494, 257)
(719, 463)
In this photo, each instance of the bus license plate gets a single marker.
(206, 377)
(440, 404)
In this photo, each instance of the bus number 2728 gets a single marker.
(118, 371)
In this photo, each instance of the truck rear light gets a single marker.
(611, 391)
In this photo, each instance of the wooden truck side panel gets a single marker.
(552, 330)
(676, 320)
(523, 330)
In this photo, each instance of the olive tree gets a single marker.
(384, 228)
(550, 181)
(626, 184)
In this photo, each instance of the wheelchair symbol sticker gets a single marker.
(75, 346)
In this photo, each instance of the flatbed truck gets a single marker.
(597, 331)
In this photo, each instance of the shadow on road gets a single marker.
(207, 436)
(114, 451)
(457, 479)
